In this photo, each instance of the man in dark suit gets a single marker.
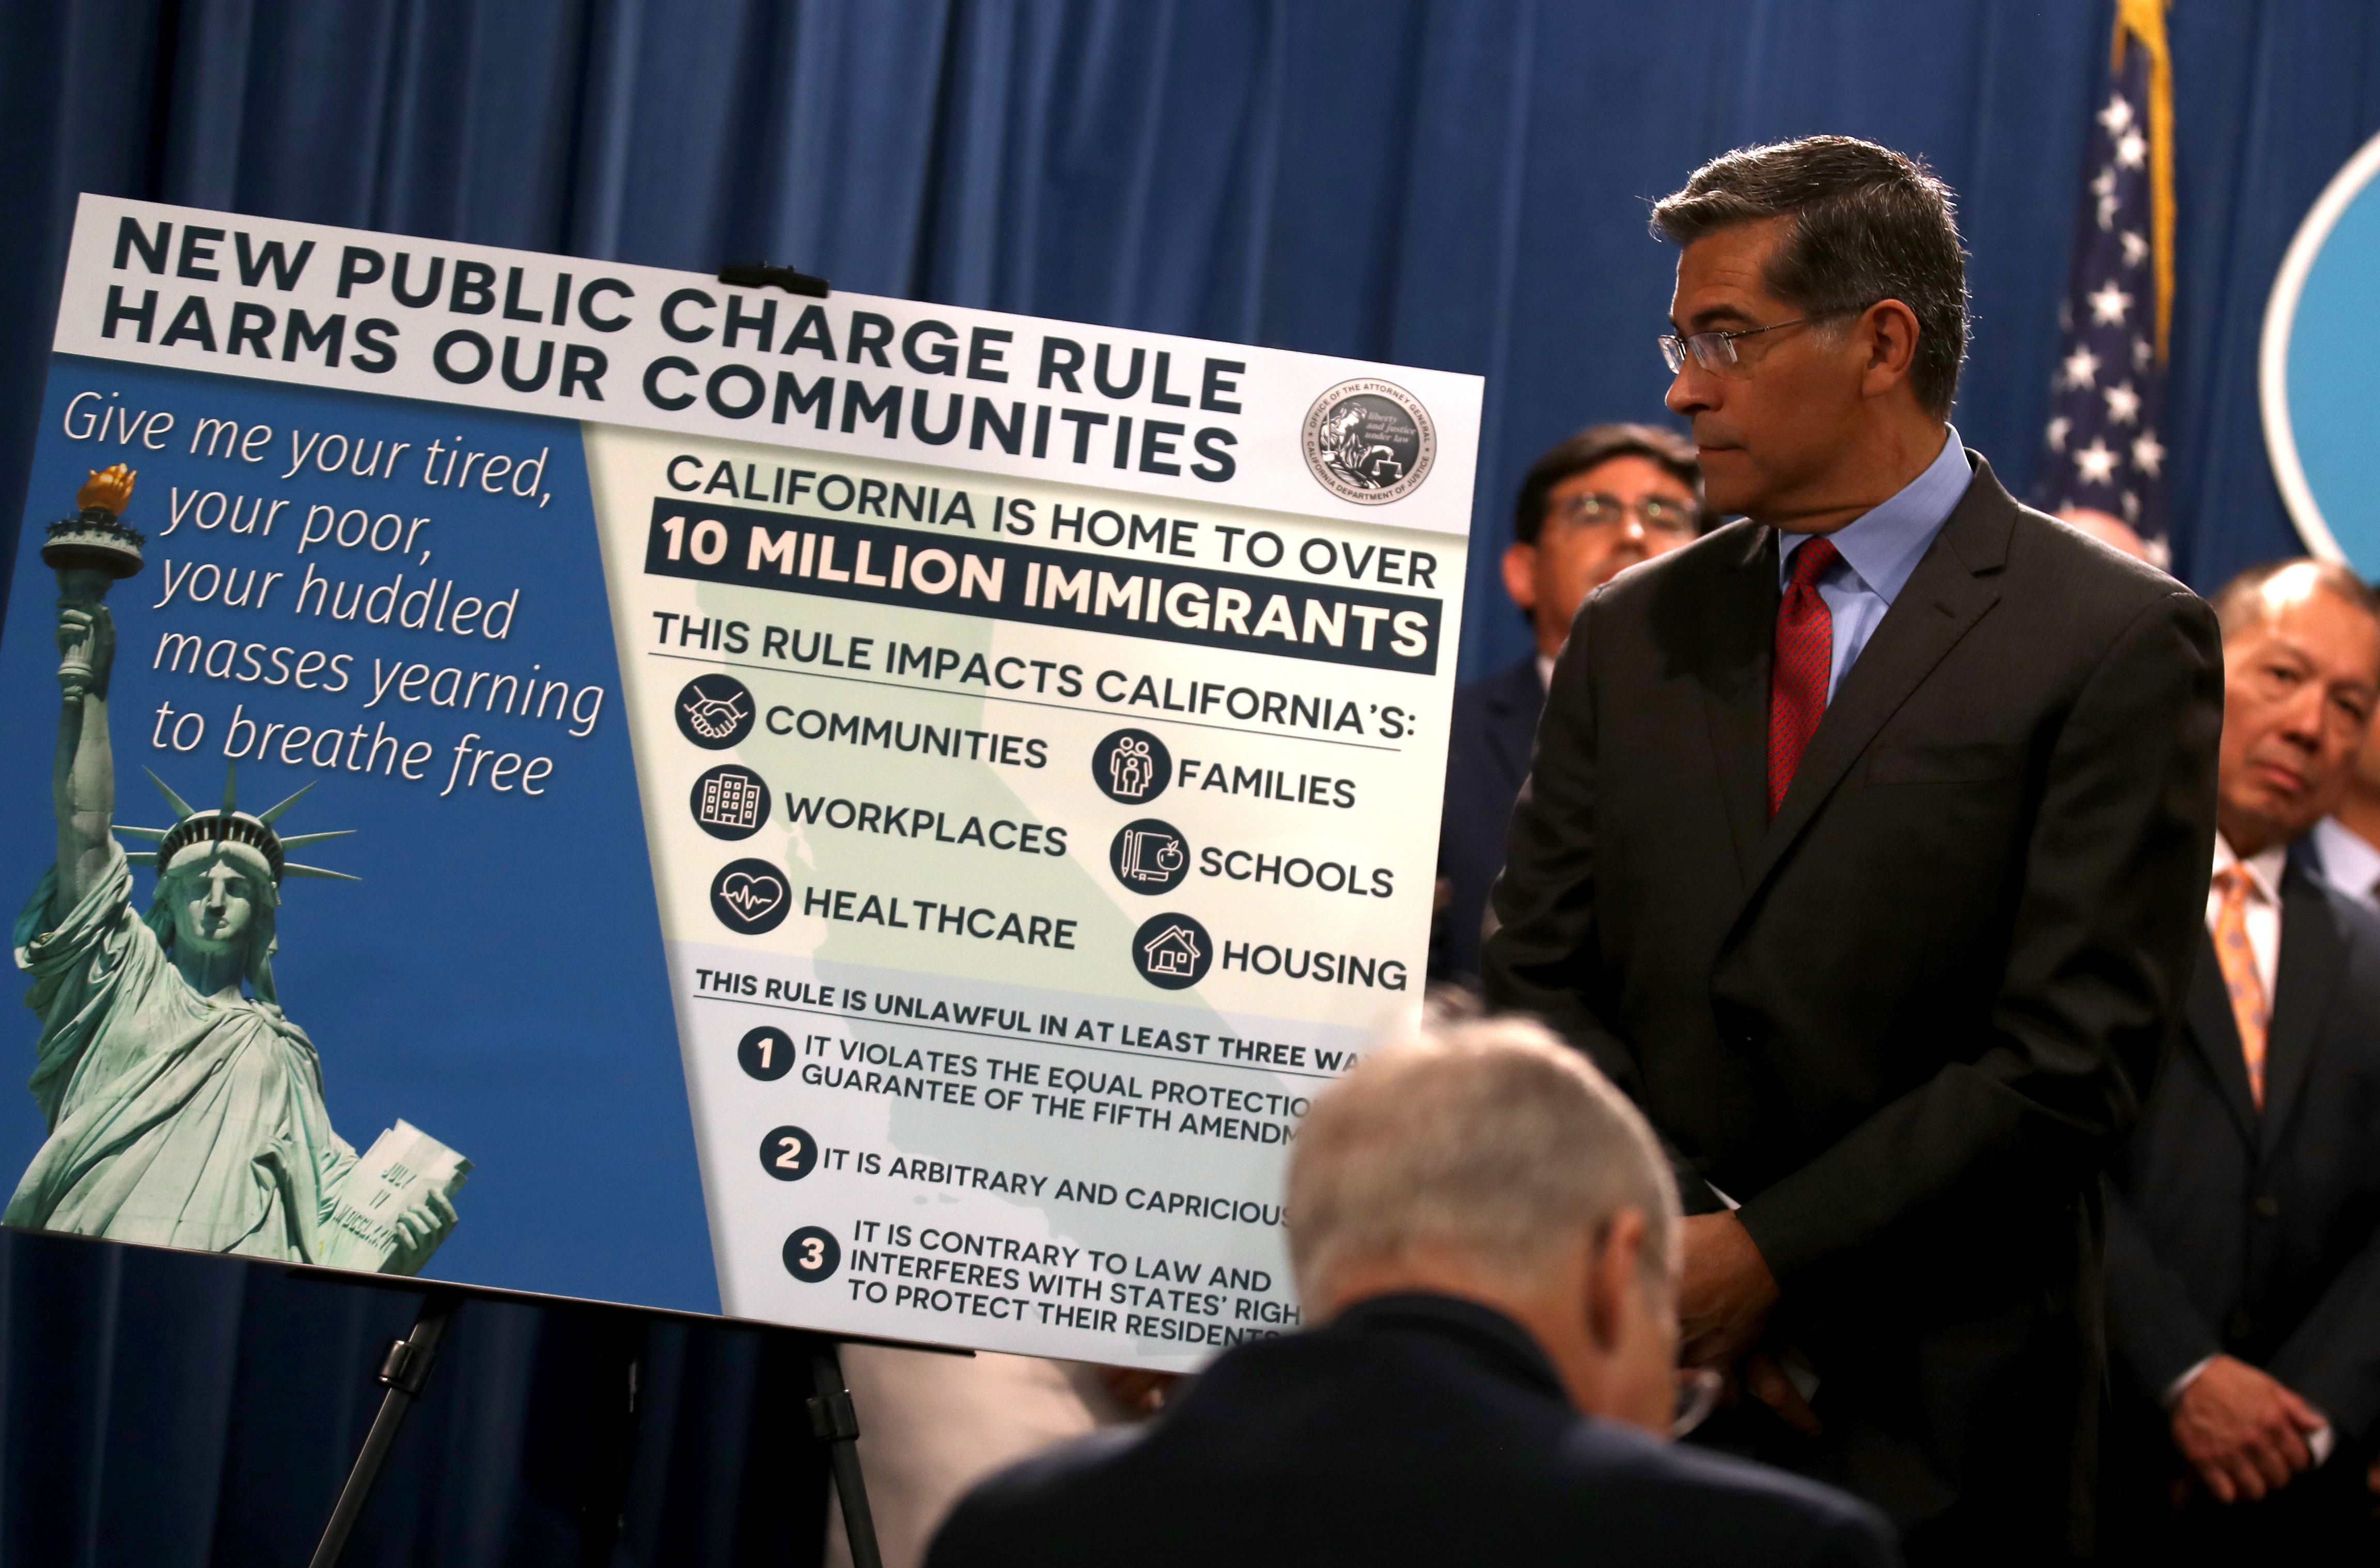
(1862, 847)
(1485, 1229)
(2244, 1229)
(1601, 502)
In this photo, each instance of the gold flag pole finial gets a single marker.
(2142, 21)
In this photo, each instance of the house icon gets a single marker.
(1172, 952)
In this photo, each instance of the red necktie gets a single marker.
(1805, 656)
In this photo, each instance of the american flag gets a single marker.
(2104, 449)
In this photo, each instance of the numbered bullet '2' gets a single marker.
(789, 1154)
(766, 1053)
(812, 1254)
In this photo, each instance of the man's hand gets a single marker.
(2243, 1432)
(1726, 1295)
(1765, 1376)
(1140, 1392)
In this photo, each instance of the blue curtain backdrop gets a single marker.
(1460, 184)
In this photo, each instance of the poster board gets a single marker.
(957, 782)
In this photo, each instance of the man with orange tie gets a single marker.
(1861, 845)
(2244, 1229)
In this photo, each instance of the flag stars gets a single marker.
(2148, 457)
(2095, 464)
(2108, 380)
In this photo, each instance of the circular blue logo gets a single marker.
(2315, 372)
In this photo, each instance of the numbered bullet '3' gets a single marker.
(812, 1254)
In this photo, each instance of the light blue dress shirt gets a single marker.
(2348, 863)
(1879, 549)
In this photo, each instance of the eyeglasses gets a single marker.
(1657, 514)
(1715, 351)
(1697, 1396)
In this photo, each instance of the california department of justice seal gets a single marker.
(1369, 441)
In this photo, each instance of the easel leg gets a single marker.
(833, 1417)
(403, 1370)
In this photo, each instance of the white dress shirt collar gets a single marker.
(2262, 913)
(2263, 867)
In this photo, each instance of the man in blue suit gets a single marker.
(1604, 500)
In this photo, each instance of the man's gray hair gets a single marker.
(1489, 1139)
(1869, 225)
(2240, 602)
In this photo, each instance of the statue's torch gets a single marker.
(89, 552)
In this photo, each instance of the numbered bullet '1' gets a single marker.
(766, 1053)
(789, 1154)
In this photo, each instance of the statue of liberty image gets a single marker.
(183, 1109)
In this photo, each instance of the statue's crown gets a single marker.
(231, 825)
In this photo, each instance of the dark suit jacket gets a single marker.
(1486, 757)
(1413, 1430)
(1907, 1022)
(2258, 1235)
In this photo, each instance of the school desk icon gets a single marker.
(1172, 951)
(1152, 855)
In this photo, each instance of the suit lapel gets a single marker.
(1954, 587)
(2216, 1033)
(2313, 959)
(1739, 621)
